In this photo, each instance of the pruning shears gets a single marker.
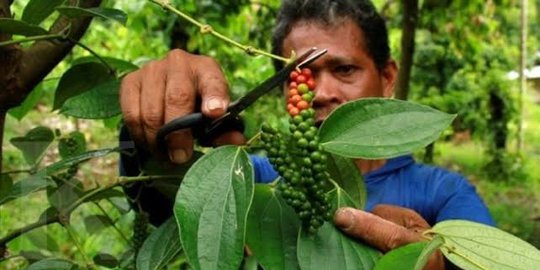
(205, 129)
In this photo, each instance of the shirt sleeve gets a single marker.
(459, 200)
(264, 173)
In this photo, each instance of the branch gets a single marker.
(33, 64)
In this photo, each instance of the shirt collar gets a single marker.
(390, 165)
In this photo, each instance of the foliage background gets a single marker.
(464, 49)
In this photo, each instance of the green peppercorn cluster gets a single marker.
(301, 163)
(140, 230)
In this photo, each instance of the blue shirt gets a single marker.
(435, 193)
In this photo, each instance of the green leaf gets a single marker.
(329, 248)
(403, 258)
(212, 206)
(250, 263)
(15, 27)
(100, 102)
(428, 250)
(34, 144)
(272, 230)
(33, 183)
(471, 245)
(108, 194)
(38, 10)
(160, 248)
(29, 102)
(65, 194)
(96, 223)
(42, 239)
(32, 256)
(106, 260)
(6, 184)
(121, 66)
(121, 204)
(72, 145)
(374, 128)
(345, 173)
(79, 79)
(65, 163)
(105, 13)
(51, 264)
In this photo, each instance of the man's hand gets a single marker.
(386, 228)
(169, 88)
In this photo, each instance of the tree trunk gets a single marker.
(410, 20)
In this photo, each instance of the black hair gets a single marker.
(330, 12)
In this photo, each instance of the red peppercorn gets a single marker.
(302, 105)
(306, 72)
(311, 84)
(294, 75)
(294, 111)
(300, 79)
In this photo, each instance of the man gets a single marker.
(357, 65)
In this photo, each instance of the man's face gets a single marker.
(346, 72)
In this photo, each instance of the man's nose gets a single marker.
(326, 91)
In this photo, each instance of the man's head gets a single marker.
(335, 12)
(357, 63)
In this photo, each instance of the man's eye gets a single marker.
(345, 69)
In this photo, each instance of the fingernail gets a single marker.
(178, 156)
(344, 219)
(214, 104)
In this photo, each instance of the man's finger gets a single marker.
(152, 90)
(130, 98)
(212, 87)
(231, 137)
(402, 216)
(376, 231)
(180, 95)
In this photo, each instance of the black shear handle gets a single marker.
(199, 125)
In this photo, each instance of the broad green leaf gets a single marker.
(100, 102)
(105, 13)
(79, 79)
(110, 193)
(374, 128)
(33, 183)
(50, 212)
(72, 145)
(121, 66)
(121, 204)
(65, 163)
(428, 250)
(42, 239)
(34, 144)
(15, 27)
(211, 208)
(471, 245)
(345, 173)
(272, 230)
(96, 223)
(403, 258)
(38, 10)
(29, 103)
(52, 264)
(329, 248)
(250, 263)
(106, 260)
(160, 248)
(32, 256)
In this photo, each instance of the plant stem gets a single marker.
(33, 38)
(28, 171)
(111, 222)
(73, 234)
(253, 139)
(207, 29)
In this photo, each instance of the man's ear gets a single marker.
(389, 76)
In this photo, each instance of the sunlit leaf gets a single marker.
(121, 66)
(344, 172)
(33, 183)
(374, 128)
(161, 246)
(272, 230)
(29, 103)
(471, 245)
(52, 264)
(212, 206)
